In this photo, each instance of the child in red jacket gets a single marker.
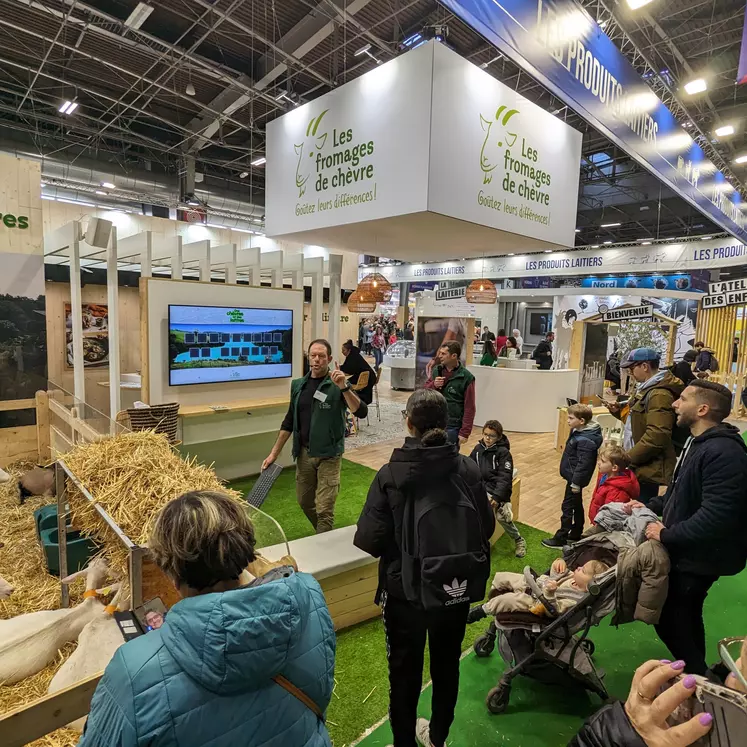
(616, 483)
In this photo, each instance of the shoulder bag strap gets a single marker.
(300, 694)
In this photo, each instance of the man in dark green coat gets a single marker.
(316, 420)
(457, 384)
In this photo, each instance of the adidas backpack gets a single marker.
(445, 555)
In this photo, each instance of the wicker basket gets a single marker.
(158, 418)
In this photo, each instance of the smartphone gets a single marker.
(728, 708)
(151, 615)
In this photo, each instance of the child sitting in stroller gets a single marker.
(511, 593)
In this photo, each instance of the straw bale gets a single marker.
(132, 476)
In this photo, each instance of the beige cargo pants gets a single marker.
(317, 486)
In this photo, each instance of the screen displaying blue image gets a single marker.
(193, 328)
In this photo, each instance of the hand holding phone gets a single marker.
(649, 709)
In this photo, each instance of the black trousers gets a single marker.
(406, 629)
(571, 516)
(681, 626)
(649, 490)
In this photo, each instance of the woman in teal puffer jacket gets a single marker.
(207, 675)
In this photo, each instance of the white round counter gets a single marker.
(524, 401)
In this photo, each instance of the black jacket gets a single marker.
(496, 467)
(539, 355)
(579, 458)
(410, 471)
(608, 727)
(705, 508)
(683, 371)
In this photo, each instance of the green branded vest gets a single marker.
(454, 393)
(327, 432)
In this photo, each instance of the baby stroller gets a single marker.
(555, 649)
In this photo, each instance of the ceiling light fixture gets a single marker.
(107, 185)
(610, 225)
(548, 251)
(283, 95)
(190, 90)
(705, 238)
(101, 192)
(243, 174)
(698, 85)
(603, 24)
(606, 242)
(578, 230)
(261, 161)
(595, 246)
(635, 4)
(138, 16)
(741, 159)
(68, 107)
(367, 51)
(645, 243)
(724, 131)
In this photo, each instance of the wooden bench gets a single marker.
(348, 576)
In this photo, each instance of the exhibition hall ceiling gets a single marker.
(173, 89)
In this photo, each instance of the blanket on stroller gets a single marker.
(642, 568)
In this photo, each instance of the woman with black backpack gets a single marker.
(427, 517)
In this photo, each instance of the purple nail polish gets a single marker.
(678, 664)
(705, 719)
(665, 661)
(689, 682)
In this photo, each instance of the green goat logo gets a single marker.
(312, 141)
(488, 159)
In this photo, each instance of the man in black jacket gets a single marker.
(704, 520)
(543, 352)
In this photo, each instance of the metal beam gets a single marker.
(306, 35)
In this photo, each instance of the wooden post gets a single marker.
(42, 427)
(76, 304)
(112, 295)
(47, 714)
(59, 479)
(671, 343)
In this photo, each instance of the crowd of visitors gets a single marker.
(236, 647)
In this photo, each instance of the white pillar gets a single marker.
(177, 267)
(294, 267)
(76, 305)
(198, 251)
(315, 268)
(273, 261)
(112, 297)
(223, 257)
(248, 260)
(335, 290)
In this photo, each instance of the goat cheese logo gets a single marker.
(497, 128)
(457, 589)
(312, 142)
(335, 165)
(523, 190)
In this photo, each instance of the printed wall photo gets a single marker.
(432, 333)
(95, 335)
(23, 333)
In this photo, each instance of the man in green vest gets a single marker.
(457, 384)
(316, 420)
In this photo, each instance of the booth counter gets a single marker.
(525, 401)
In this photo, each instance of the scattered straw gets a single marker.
(132, 476)
(370, 694)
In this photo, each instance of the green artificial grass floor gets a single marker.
(281, 503)
(538, 715)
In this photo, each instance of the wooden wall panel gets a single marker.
(58, 294)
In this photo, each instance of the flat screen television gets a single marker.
(214, 344)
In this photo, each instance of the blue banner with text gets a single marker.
(559, 44)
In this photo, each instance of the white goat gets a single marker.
(28, 643)
(4, 476)
(5, 588)
(97, 643)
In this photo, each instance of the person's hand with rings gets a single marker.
(648, 708)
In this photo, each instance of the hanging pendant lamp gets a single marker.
(481, 291)
(378, 286)
(361, 302)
